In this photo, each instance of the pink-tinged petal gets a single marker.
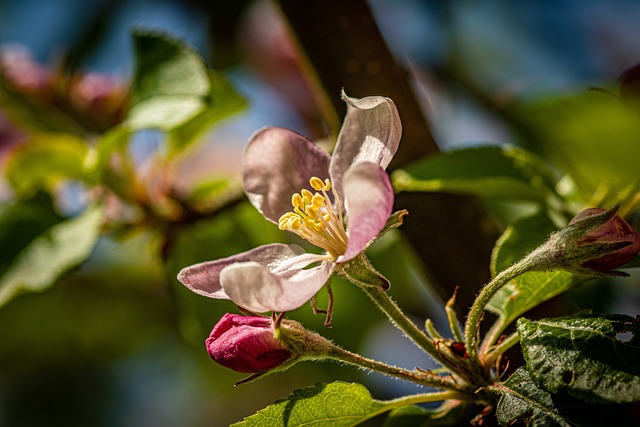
(257, 288)
(277, 163)
(368, 202)
(370, 133)
(204, 278)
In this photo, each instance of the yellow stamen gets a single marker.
(314, 218)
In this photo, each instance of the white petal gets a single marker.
(368, 202)
(370, 133)
(204, 278)
(255, 287)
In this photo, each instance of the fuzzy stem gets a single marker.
(418, 377)
(425, 398)
(402, 322)
(492, 335)
(499, 349)
(454, 324)
(472, 326)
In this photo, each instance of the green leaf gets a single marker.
(44, 161)
(223, 101)
(448, 414)
(338, 404)
(21, 222)
(51, 253)
(582, 355)
(521, 400)
(171, 83)
(529, 289)
(593, 137)
(502, 172)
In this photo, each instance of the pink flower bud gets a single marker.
(246, 344)
(615, 230)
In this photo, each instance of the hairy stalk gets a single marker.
(426, 398)
(472, 325)
(418, 377)
(402, 322)
(492, 335)
(493, 353)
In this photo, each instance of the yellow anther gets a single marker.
(311, 211)
(306, 196)
(295, 223)
(316, 183)
(317, 201)
(283, 223)
(297, 201)
(316, 219)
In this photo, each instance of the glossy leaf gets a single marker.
(530, 289)
(522, 400)
(582, 355)
(51, 253)
(171, 84)
(502, 172)
(337, 404)
(44, 161)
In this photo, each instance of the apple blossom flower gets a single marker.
(246, 344)
(340, 203)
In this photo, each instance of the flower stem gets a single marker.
(472, 326)
(402, 322)
(499, 349)
(420, 377)
(425, 398)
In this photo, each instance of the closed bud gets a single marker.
(247, 344)
(613, 231)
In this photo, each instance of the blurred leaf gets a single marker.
(46, 159)
(171, 84)
(523, 401)
(521, 237)
(488, 171)
(21, 222)
(595, 138)
(336, 404)
(448, 414)
(582, 355)
(51, 253)
(111, 165)
(529, 289)
(209, 193)
(222, 102)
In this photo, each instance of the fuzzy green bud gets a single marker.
(596, 242)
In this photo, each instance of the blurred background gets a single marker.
(119, 342)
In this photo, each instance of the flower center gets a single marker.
(314, 218)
